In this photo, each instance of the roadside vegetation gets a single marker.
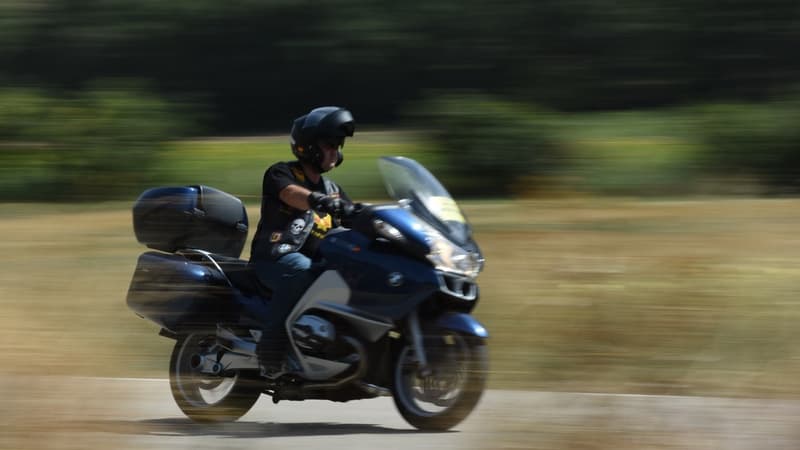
(112, 142)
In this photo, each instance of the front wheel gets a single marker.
(443, 396)
(204, 397)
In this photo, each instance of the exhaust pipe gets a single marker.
(204, 365)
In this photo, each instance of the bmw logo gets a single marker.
(395, 279)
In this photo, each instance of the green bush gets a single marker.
(760, 141)
(97, 144)
(487, 146)
(634, 153)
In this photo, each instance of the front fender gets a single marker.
(462, 323)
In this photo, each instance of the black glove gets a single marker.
(325, 203)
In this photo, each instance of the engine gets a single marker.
(313, 335)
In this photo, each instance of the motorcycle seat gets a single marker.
(242, 276)
(237, 271)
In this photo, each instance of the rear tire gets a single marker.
(443, 399)
(209, 398)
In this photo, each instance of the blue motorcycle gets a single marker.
(388, 315)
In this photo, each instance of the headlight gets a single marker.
(449, 257)
(442, 253)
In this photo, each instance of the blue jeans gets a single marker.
(288, 277)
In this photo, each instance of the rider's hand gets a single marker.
(349, 213)
(325, 203)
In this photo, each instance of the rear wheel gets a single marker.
(443, 397)
(205, 397)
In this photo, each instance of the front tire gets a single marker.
(204, 397)
(442, 399)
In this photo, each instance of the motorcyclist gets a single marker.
(298, 207)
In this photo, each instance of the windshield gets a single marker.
(407, 180)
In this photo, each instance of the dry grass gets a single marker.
(600, 295)
(666, 297)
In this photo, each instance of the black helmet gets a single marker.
(320, 123)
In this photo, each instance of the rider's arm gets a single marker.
(295, 196)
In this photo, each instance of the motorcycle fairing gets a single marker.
(462, 323)
(366, 268)
(330, 292)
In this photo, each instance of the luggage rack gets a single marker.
(242, 278)
(188, 253)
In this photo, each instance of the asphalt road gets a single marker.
(95, 413)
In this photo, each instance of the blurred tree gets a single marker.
(755, 140)
(260, 63)
(94, 145)
(489, 146)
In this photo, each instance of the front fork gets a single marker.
(460, 323)
(415, 331)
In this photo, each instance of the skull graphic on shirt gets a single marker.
(297, 226)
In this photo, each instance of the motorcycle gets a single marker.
(388, 316)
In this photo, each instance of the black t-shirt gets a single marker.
(283, 229)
